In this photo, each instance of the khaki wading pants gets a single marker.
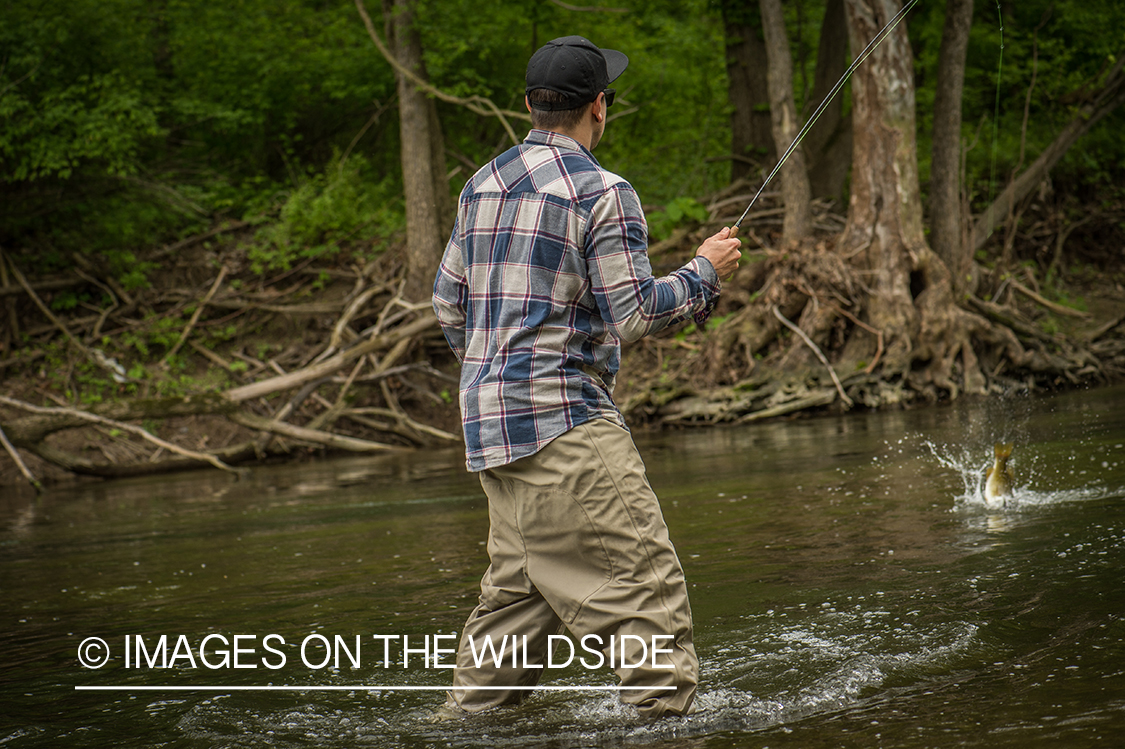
(577, 539)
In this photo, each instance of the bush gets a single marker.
(341, 204)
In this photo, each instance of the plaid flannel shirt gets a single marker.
(545, 274)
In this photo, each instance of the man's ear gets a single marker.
(598, 107)
(527, 103)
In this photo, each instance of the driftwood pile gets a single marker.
(354, 363)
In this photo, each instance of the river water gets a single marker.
(849, 586)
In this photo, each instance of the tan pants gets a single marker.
(577, 539)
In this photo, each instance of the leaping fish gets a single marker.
(998, 479)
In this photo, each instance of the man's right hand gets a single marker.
(722, 252)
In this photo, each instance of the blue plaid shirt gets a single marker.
(545, 274)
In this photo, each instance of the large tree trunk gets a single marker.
(751, 137)
(912, 298)
(783, 117)
(422, 161)
(945, 179)
(828, 144)
(1104, 101)
(885, 210)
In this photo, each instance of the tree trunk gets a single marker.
(783, 116)
(424, 241)
(828, 143)
(442, 202)
(751, 139)
(884, 224)
(1105, 101)
(911, 299)
(945, 179)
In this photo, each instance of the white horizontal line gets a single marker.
(350, 688)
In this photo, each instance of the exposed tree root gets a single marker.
(749, 366)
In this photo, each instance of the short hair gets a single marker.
(555, 119)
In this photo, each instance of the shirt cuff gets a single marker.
(711, 288)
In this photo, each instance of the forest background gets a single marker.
(218, 221)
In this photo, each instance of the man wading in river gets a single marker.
(545, 274)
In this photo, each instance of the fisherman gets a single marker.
(544, 276)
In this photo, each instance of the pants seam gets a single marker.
(661, 584)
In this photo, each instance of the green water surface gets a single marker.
(849, 588)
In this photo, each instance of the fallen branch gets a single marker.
(338, 361)
(77, 464)
(104, 314)
(30, 430)
(349, 313)
(1104, 101)
(402, 418)
(95, 419)
(822, 398)
(304, 434)
(27, 358)
(59, 283)
(185, 243)
(195, 316)
(328, 418)
(210, 356)
(1053, 306)
(1007, 317)
(306, 308)
(819, 354)
(1107, 327)
(47, 311)
(19, 462)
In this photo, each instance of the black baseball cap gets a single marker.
(574, 67)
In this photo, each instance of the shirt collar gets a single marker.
(557, 140)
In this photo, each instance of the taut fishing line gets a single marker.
(996, 113)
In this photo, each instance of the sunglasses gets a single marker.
(609, 94)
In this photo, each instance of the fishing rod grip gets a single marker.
(733, 232)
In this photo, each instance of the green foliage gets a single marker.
(675, 88)
(678, 212)
(716, 321)
(158, 334)
(126, 124)
(96, 122)
(71, 95)
(329, 207)
(1065, 45)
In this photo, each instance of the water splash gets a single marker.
(779, 668)
(1040, 480)
(969, 467)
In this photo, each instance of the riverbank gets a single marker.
(215, 360)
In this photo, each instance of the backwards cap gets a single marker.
(574, 67)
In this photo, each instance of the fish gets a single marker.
(998, 479)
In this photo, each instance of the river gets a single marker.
(849, 586)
